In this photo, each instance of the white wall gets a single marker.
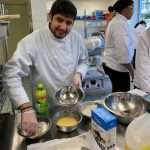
(39, 13)
(40, 8)
(86, 4)
(136, 15)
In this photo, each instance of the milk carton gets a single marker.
(103, 126)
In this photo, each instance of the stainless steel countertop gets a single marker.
(10, 140)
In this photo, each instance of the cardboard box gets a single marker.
(103, 126)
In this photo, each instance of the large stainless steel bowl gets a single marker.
(125, 106)
(69, 114)
(66, 96)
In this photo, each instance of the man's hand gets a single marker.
(77, 80)
(29, 122)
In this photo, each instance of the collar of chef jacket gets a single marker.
(51, 36)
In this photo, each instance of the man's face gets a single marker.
(60, 25)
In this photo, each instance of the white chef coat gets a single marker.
(138, 32)
(142, 72)
(50, 61)
(119, 44)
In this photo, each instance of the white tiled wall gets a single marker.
(40, 8)
(39, 13)
(86, 4)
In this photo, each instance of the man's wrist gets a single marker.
(79, 74)
(25, 106)
(26, 109)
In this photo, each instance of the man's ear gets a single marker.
(49, 17)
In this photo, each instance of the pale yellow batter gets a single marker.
(66, 121)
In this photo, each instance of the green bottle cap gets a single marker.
(148, 110)
(40, 85)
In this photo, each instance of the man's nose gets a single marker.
(63, 26)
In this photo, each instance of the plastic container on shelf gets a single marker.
(41, 101)
(137, 135)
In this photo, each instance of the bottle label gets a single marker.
(41, 95)
(42, 109)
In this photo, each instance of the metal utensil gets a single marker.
(2, 10)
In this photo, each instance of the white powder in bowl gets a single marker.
(86, 110)
(42, 127)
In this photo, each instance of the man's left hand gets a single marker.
(77, 80)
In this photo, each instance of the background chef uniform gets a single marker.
(50, 60)
(138, 30)
(142, 61)
(119, 49)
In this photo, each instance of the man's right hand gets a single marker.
(29, 122)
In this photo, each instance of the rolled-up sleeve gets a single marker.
(16, 68)
(83, 63)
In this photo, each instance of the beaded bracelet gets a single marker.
(26, 109)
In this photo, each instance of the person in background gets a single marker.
(142, 62)
(142, 23)
(139, 28)
(119, 47)
(54, 55)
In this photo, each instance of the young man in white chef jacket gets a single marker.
(54, 55)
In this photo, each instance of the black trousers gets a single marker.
(120, 80)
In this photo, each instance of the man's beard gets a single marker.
(59, 37)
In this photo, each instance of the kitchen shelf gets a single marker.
(97, 51)
(3, 28)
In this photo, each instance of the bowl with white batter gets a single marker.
(85, 108)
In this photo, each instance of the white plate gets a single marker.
(85, 108)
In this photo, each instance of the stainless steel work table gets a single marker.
(10, 140)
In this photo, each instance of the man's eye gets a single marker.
(59, 20)
(69, 23)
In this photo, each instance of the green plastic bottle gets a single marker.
(41, 101)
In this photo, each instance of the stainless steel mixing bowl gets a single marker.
(125, 106)
(67, 113)
(44, 124)
(66, 96)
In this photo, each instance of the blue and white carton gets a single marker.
(103, 126)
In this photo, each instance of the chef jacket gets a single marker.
(142, 72)
(50, 60)
(138, 31)
(119, 44)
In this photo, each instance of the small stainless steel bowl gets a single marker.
(44, 128)
(67, 113)
(66, 96)
(125, 106)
